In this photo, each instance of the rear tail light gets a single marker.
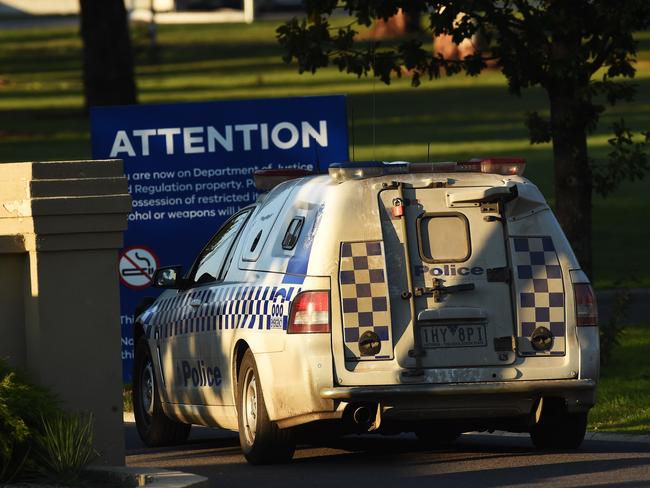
(586, 308)
(310, 313)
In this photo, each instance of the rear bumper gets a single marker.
(496, 388)
(494, 404)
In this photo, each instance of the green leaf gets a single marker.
(627, 160)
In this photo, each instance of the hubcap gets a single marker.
(146, 388)
(250, 406)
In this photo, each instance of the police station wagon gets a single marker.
(434, 298)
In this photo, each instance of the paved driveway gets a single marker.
(401, 461)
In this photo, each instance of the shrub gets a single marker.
(22, 406)
(65, 446)
(610, 332)
(37, 439)
(127, 398)
(14, 435)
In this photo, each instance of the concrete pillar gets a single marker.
(61, 226)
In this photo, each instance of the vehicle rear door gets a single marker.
(448, 265)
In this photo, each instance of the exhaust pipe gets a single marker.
(362, 415)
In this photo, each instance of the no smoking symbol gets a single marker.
(137, 266)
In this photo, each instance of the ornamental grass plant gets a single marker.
(38, 440)
(65, 446)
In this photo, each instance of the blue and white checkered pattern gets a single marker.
(540, 297)
(225, 307)
(364, 297)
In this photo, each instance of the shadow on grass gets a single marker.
(40, 60)
(459, 116)
(39, 35)
(45, 134)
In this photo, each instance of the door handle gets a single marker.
(195, 302)
(439, 289)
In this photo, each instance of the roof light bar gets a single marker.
(267, 179)
(499, 165)
(341, 172)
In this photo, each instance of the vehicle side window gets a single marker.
(211, 262)
(293, 233)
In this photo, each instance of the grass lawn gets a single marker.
(624, 392)
(41, 115)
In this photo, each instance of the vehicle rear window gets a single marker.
(444, 237)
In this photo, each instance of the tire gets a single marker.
(154, 427)
(437, 436)
(558, 429)
(261, 440)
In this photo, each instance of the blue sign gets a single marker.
(190, 166)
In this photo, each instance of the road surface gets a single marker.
(372, 461)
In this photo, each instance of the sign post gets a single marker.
(190, 166)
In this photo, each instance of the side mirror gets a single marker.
(168, 277)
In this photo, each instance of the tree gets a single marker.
(107, 56)
(578, 51)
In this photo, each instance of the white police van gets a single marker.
(435, 298)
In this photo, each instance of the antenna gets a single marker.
(374, 98)
(317, 161)
(353, 129)
(428, 150)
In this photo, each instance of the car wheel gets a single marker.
(154, 427)
(558, 429)
(262, 441)
(437, 435)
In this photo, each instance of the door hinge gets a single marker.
(390, 186)
(493, 218)
(490, 207)
(499, 275)
(417, 352)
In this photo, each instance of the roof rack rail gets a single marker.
(267, 179)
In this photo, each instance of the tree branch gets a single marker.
(599, 60)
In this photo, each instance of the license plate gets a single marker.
(453, 335)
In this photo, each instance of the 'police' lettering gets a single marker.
(201, 375)
(449, 270)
